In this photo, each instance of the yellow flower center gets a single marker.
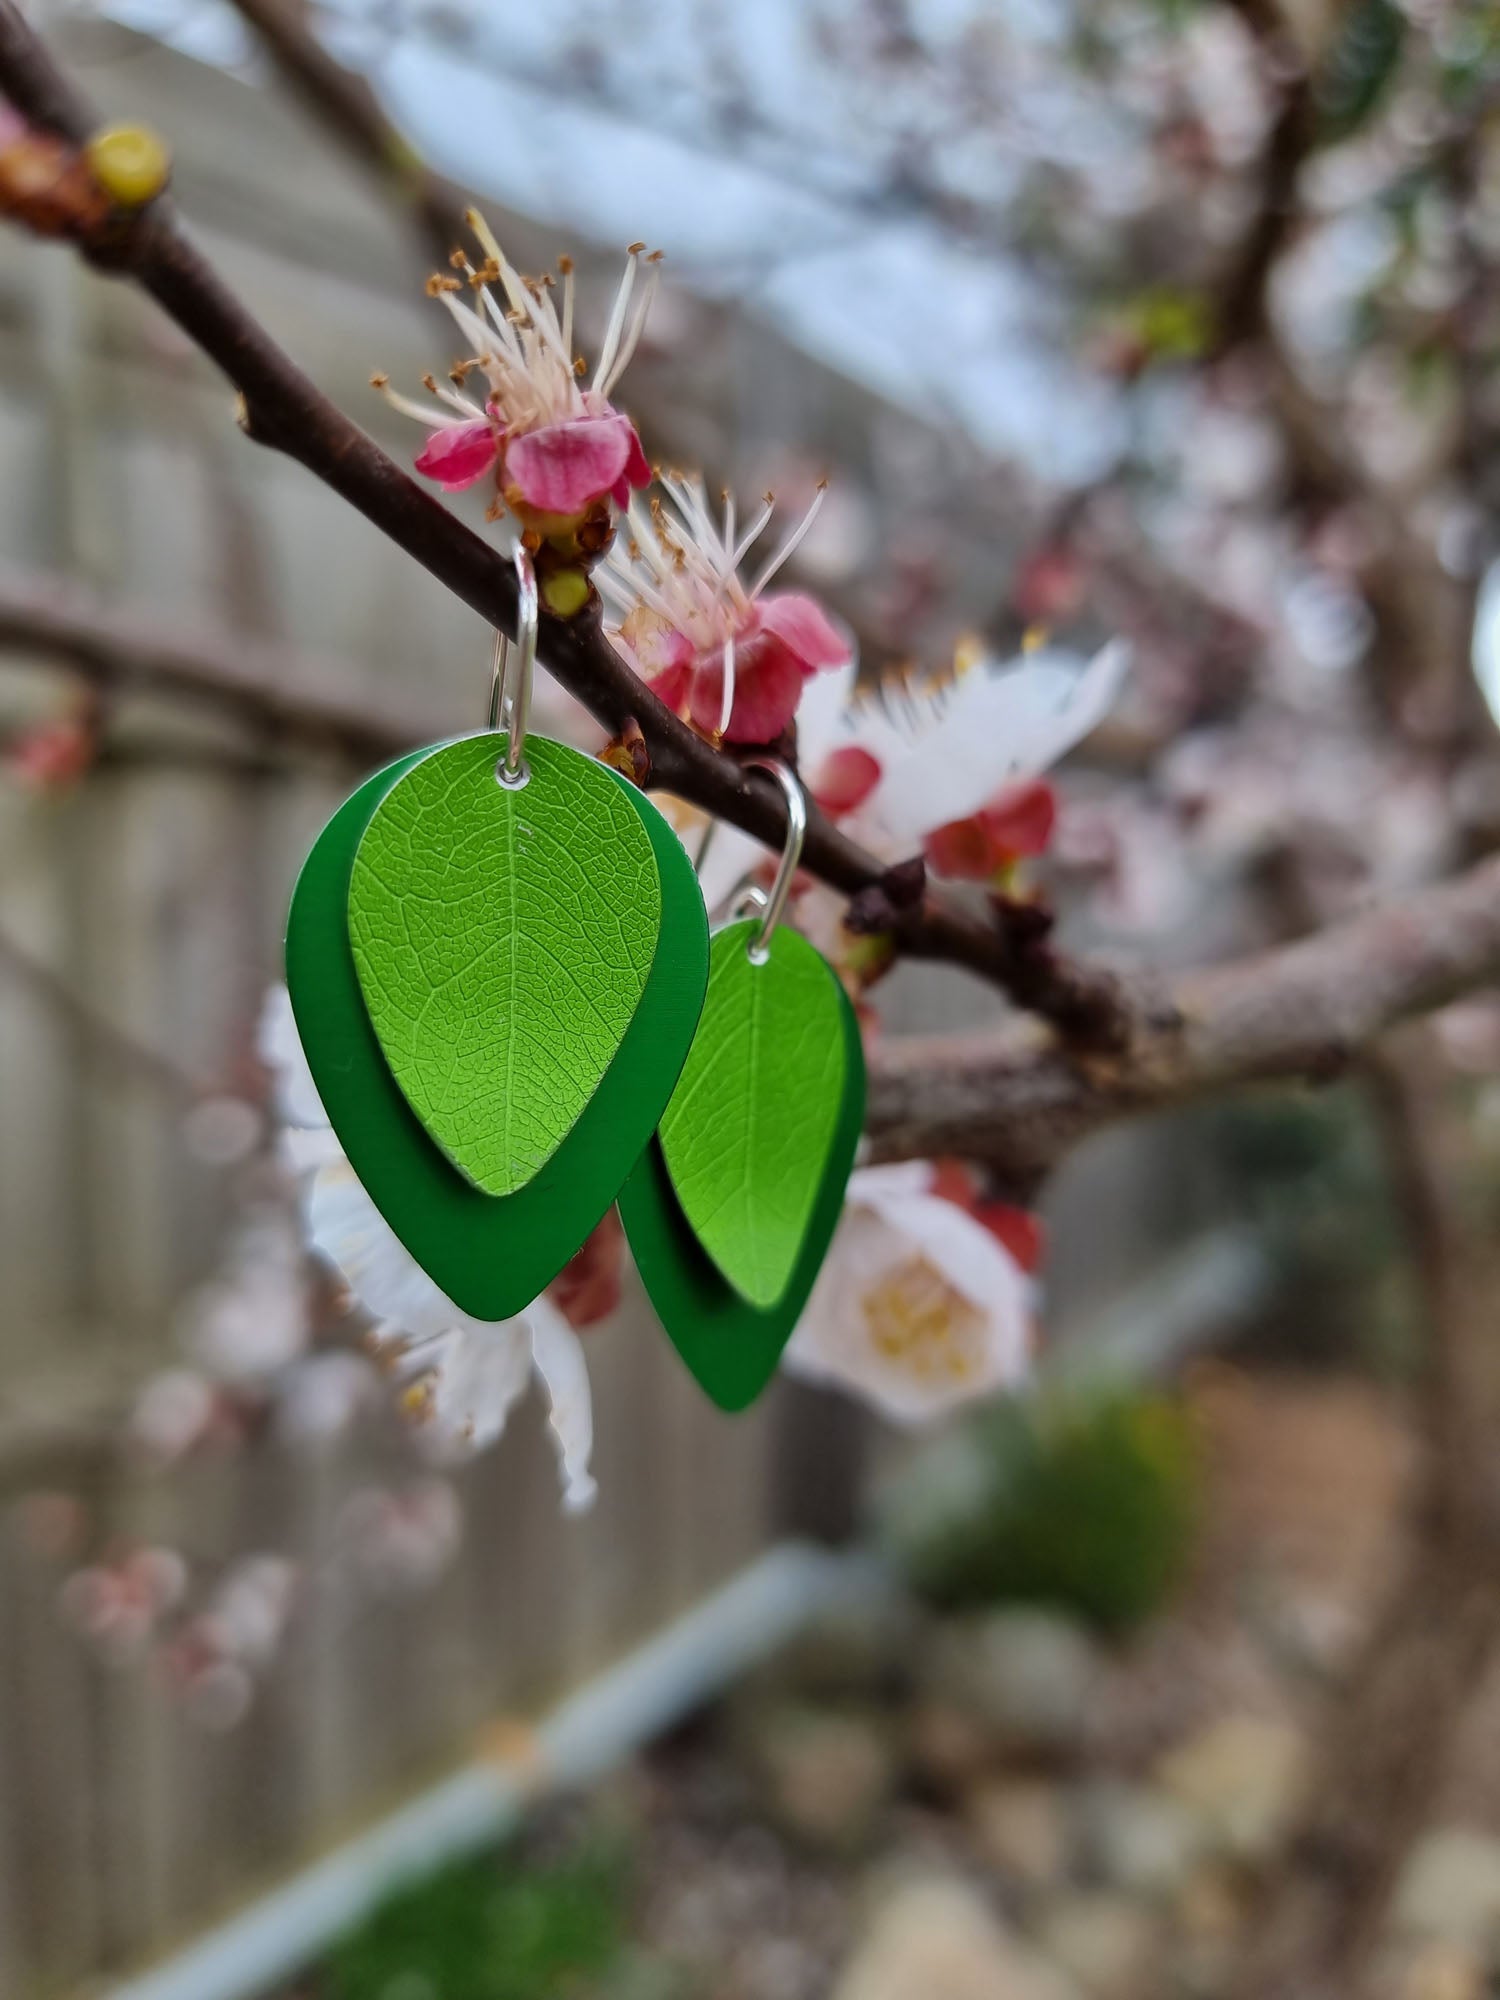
(918, 1322)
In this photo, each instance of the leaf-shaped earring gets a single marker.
(730, 1211)
(496, 966)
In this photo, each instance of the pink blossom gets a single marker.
(732, 660)
(663, 658)
(555, 447)
(53, 756)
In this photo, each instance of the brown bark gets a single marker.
(1013, 1097)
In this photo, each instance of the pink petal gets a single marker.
(953, 1180)
(768, 682)
(637, 471)
(964, 850)
(1021, 817)
(671, 683)
(1017, 1229)
(587, 1288)
(845, 779)
(563, 468)
(1018, 821)
(804, 628)
(459, 454)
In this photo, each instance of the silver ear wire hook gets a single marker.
(512, 671)
(497, 680)
(771, 907)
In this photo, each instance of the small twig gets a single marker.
(1086, 1002)
(1244, 300)
(54, 619)
(348, 105)
(99, 1037)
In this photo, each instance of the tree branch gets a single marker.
(94, 1035)
(1012, 1098)
(52, 618)
(346, 103)
(1244, 298)
(282, 408)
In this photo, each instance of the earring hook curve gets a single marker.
(775, 903)
(510, 691)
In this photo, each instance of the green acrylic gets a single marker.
(731, 1347)
(747, 1134)
(490, 1254)
(503, 939)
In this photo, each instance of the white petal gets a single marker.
(279, 1047)
(557, 1354)
(1094, 697)
(877, 1187)
(476, 1374)
(731, 855)
(302, 1148)
(732, 858)
(823, 717)
(344, 1226)
(873, 724)
(995, 727)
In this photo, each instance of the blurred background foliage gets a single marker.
(1083, 1501)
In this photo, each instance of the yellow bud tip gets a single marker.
(565, 592)
(130, 163)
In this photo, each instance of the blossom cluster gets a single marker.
(927, 1298)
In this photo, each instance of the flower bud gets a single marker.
(130, 163)
(565, 592)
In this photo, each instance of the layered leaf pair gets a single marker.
(496, 989)
(730, 1211)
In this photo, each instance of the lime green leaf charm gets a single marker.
(730, 1346)
(490, 1254)
(747, 1134)
(503, 939)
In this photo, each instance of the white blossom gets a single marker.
(919, 1307)
(462, 1374)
